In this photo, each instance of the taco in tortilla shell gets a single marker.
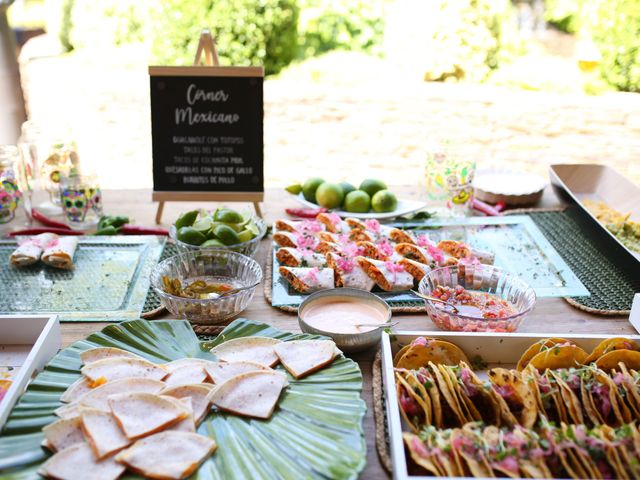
(412, 406)
(534, 349)
(516, 394)
(559, 356)
(610, 360)
(422, 455)
(610, 345)
(424, 350)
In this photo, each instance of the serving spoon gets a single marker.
(378, 325)
(436, 300)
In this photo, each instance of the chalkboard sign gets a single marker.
(207, 129)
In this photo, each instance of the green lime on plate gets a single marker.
(294, 189)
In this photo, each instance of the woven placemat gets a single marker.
(612, 287)
(152, 306)
(380, 414)
(396, 306)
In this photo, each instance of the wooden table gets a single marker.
(551, 315)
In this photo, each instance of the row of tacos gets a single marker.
(450, 396)
(549, 451)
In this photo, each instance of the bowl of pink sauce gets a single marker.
(341, 314)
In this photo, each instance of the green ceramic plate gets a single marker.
(316, 431)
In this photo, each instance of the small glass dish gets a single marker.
(241, 272)
(248, 248)
(478, 278)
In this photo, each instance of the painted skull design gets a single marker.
(75, 204)
(95, 200)
(9, 199)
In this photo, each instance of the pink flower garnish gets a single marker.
(352, 250)
(419, 448)
(394, 267)
(305, 241)
(343, 239)
(304, 251)
(334, 218)
(509, 463)
(311, 226)
(345, 265)
(372, 224)
(385, 248)
(435, 253)
(423, 342)
(312, 274)
(423, 241)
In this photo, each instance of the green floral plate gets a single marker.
(315, 432)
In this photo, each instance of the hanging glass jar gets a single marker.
(10, 193)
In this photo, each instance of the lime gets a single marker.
(309, 188)
(357, 202)
(295, 189)
(226, 234)
(329, 195)
(204, 224)
(253, 228)
(384, 201)
(245, 236)
(371, 186)
(227, 215)
(191, 236)
(347, 187)
(213, 242)
(186, 219)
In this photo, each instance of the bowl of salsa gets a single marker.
(476, 298)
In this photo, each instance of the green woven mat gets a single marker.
(583, 248)
(152, 302)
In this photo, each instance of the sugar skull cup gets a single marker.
(81, 200)
(9, 199)
(75, 204)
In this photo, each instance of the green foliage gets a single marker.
(614, 25)
(466, 38)
(350, 25)
(66, 25)
(565, 15)
(248, 32)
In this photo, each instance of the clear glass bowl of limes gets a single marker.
(221, 229)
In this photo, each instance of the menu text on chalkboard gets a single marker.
(207, 129)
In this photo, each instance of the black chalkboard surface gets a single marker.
(207, 129)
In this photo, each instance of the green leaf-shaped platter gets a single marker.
(315, 432)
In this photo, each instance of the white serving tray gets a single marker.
(30, 341)
(494, 348)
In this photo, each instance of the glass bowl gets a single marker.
(242, 272)
(478, 278)
(248, 248)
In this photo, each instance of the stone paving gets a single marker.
(341, 116)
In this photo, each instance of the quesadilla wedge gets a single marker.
(188, 423)
(141, 414)
(120, 367)
(75, 461)
(98, 397)
(200, 396)
(186, 375)
(307, 280)
(303, 357)
(173, 365)
(254, 349)
(77, 389)
(95, 354)
(102, 432)
(220, 372)
(63, 433)
(168, 455)
(250, 394)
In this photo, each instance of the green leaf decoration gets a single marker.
(315, 432)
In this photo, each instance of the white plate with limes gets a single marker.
(404, 207)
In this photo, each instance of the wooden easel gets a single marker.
(207, 55)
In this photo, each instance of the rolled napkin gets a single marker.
(30, 250)
(60, 255)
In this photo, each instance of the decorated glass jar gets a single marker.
(10, 193)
